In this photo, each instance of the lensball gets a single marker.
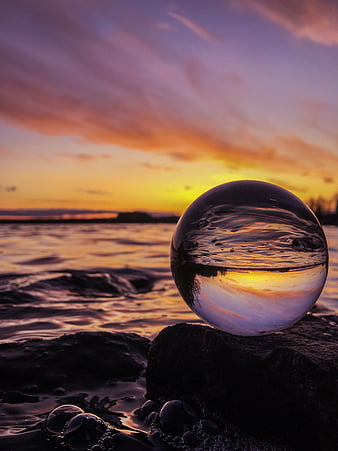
(249, 257)
(83, 431)
(59, 417)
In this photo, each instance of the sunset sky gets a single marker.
(124, 105)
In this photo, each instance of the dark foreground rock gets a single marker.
(84, 369)
(72, 361)
(281, 387)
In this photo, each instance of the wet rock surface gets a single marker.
(280, 387)
(206, 390)
(84, 359)
(184, 425)
(84, 373)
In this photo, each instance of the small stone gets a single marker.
(176, 417)
(151, 418)
(107, 442)
(96, 448)
(59, 391)
(190, 439)
(209, 442)
(124, 442)
(148, 407)
(30, 388)
(209, 427)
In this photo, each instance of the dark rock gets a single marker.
(209, 427)
(148, 407)
(108, 442)
(176, 417)
(96, 448)
(124, 442)
(78, 360)
(59, 391)
(13, 397)
(26, 441)
(190, 439)
(280, 386)
(151, 418)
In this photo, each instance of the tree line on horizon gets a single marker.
(323, 207)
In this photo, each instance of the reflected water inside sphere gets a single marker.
(249, 257)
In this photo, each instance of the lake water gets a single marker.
(58, 279)
(65, 278)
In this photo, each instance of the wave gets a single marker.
(48, 260)
(48, 303)
(93, 283)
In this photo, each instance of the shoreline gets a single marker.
(131, 218)
(95, 370)
(121, 218)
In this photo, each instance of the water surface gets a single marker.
(63, 278)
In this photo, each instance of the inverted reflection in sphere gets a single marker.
(249, 257)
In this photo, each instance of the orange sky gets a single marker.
(129, 105)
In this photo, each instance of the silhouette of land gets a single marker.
(122, 217)
(139, 217)
(328, 219)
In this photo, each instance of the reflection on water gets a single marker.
(65, 278)
(105, 277)
(249, 257)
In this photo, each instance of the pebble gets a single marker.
(124, 442)
(191, 439)
(148, 407)
(176, 417)
(151, 418)
(209, 427)
(59, 391)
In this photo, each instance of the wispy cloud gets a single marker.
(156, 166)
(83, 157)
(164, 26)
(9, 189)
(94, 192)
(314, 105)
(198, 30)
(125, 85)
(316, 20)
(288, 186)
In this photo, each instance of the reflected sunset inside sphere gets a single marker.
(249, 257)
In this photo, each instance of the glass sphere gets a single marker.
(58, 417)
(249, 257)
(83, 431)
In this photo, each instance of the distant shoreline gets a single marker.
(122, 218)
(128, 218)
(329, 219)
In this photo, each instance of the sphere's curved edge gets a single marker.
(251, 254)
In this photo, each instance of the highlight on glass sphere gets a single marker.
(249, 257)
(59, 417)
